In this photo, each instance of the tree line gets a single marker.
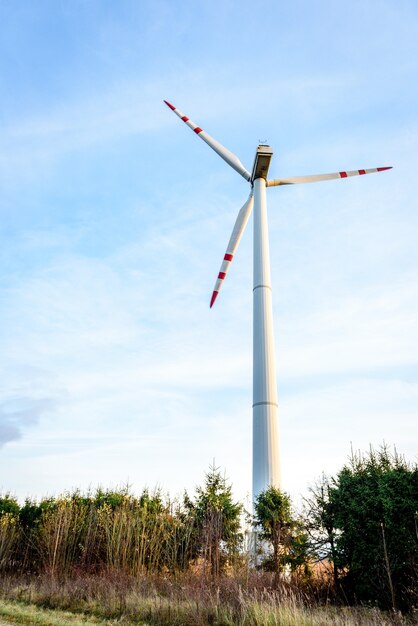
(361, 525)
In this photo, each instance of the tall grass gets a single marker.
(101, 532)
(188, 601)
(10, 534)
(61, 535)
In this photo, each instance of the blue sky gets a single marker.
(115, 217)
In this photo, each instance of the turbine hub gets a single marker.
(261, 162)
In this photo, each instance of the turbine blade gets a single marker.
(237, 232)
(226, 155)
(315, 178)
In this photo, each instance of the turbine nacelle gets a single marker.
(261, 162)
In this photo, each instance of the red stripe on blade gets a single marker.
(213, 298)
(228, 257)
(382, 169)
(221, 275)
(343, 174)
(197, 130)
(170, 105)
(185, 119)
(362, 172)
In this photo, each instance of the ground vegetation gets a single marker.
(114, 555)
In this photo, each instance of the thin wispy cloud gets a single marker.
(19, 414)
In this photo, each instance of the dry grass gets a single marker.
(181, 601)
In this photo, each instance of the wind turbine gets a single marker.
(266, 461)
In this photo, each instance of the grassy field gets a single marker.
(103, 601)
(28, 614)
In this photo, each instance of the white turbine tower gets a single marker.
(266, 460)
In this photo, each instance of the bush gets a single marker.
(368, 518)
